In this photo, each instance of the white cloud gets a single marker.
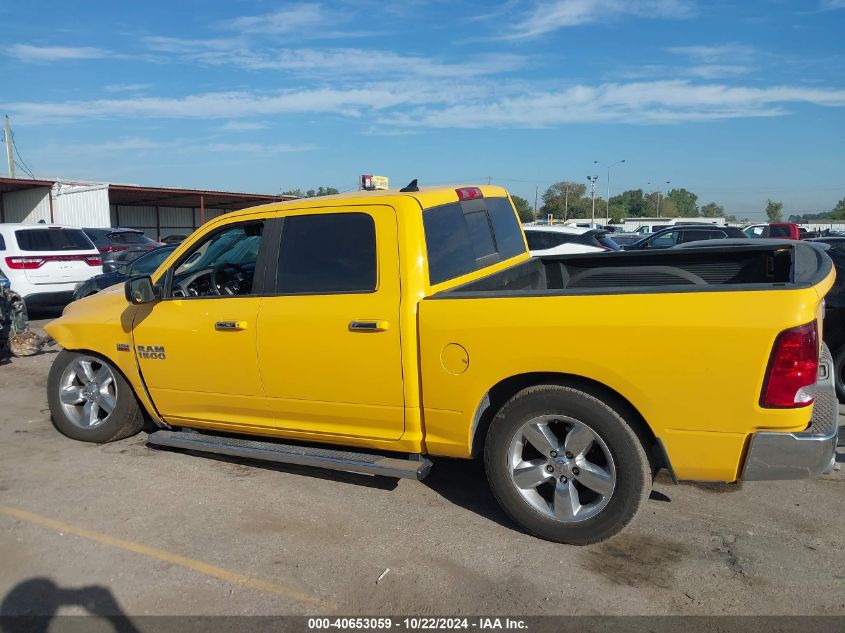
(656, 102)
(370, 64)
(243, 126)
(292, 19)
(127, 87)
(717, 53)
(30, 53)
(830, 5)
(180, 145)
(437, 104)
(548, 16)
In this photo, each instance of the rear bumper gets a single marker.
(47, 299)
(800, 455)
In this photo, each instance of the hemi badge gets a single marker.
(123, 347)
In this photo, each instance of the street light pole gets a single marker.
(607, 206)
(593, 180)
(658, 200)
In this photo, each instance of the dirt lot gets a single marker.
(124, 526)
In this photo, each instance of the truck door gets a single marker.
(196, 347)
(329, 342)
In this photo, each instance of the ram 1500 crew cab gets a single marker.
(371, 331)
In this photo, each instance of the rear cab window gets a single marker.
(463, 237)
(129, 238)
(53, 239)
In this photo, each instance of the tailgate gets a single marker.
(55, 255)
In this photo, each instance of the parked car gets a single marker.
(680, 233)
(44, 262)
(114, 241)
(563, 240)
(413, 324)
(776, 230)
(146, 264)
(175, 238)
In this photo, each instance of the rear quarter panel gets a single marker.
(692, 364)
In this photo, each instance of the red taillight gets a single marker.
(25, 263)
(793, 366)
(112, 249)
(469, 193)
(33, 262)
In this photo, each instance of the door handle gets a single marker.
(368, 326)
(230, 326)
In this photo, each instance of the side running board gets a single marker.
(294, 454)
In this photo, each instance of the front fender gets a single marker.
(102, 324)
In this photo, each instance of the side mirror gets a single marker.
(139, 290)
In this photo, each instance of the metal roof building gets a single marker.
(158, 211)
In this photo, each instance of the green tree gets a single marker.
(686, 202)
(712, 210)
(773, 210)
(838, 212)
(731, 218)
(668, 208)
(311, 193)
(630, 204)
(564, 200)
(526, 213)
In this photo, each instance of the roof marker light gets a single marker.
(469, 193)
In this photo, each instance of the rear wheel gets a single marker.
(90, 400)
(565, 466)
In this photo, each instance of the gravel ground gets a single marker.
(124, 527)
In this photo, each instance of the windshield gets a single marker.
(148, 264)
(235, 246)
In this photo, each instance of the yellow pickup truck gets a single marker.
(371, 331)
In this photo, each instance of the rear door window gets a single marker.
(664, 241)
(462, 237)
(327, 253)
(53, 240)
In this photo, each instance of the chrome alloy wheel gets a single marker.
(561, 468)
(87, 392)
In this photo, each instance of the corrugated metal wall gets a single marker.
(27, 205)
(84, 206)
(173, 220)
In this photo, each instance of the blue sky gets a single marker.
(737, 101)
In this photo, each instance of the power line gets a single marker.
(24, 166)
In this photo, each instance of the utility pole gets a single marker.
(536, 195)
(7, 131)
(593, 180)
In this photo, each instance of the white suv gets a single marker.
(45, 261)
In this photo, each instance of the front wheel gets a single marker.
(565, 466)
(90, 400)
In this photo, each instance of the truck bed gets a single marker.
(790, 265)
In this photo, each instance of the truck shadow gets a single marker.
(464, 483)
(31, 605)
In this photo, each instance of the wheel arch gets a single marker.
(504, 390)
(150, 412)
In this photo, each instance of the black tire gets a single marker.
(633, 472)
(839, 372)
(125, 420)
